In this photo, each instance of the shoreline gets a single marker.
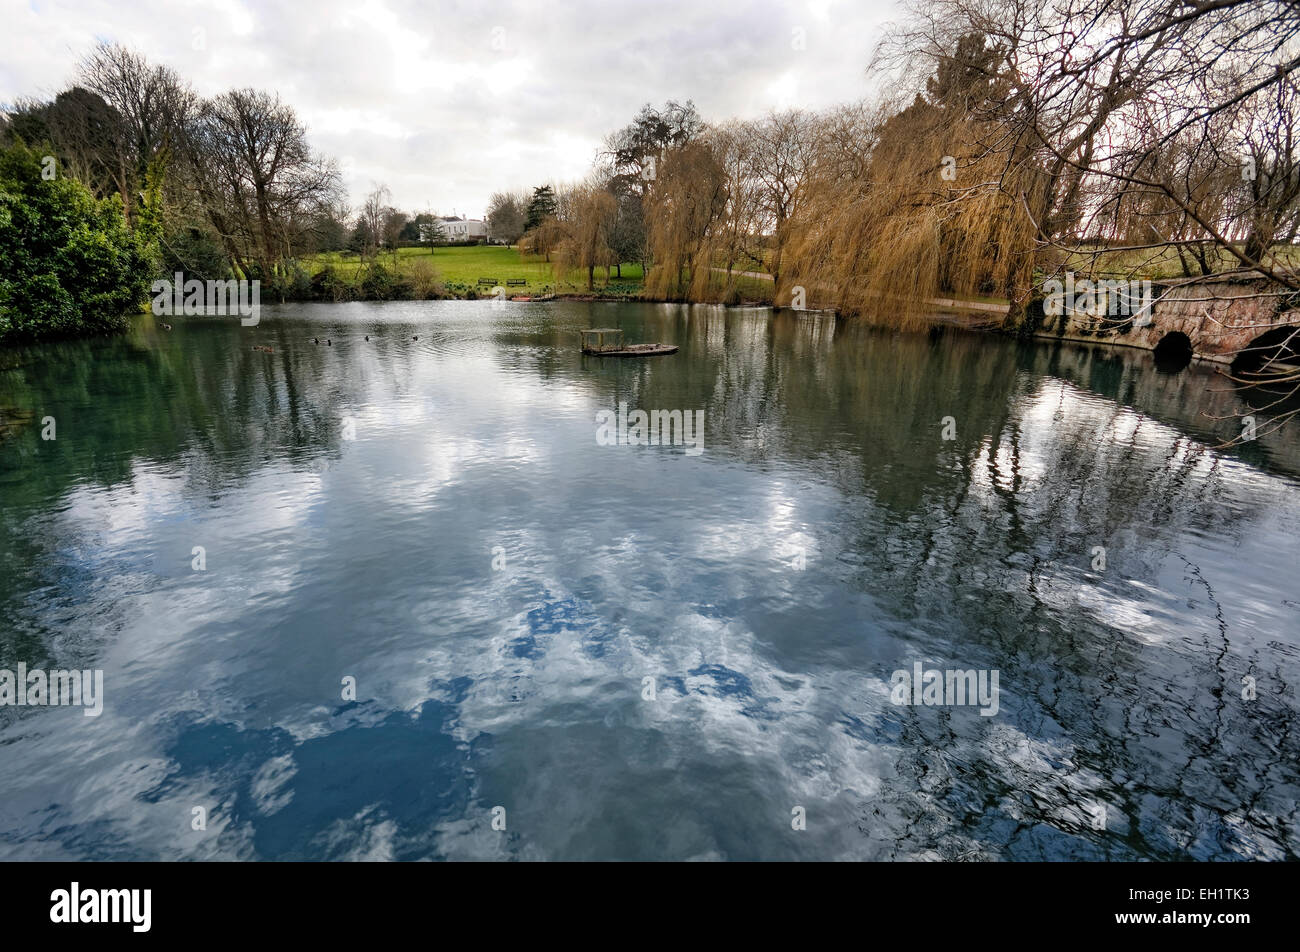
(950, 312)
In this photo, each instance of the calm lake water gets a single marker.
(436, 519)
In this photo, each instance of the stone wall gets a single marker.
(1220, 316)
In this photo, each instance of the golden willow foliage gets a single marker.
(685, 210)
(1041, 136)
(929, 215)
(542, 240)
(583, 232)
(873, 214)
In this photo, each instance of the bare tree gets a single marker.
(374, 210)
(744, 219)
(1092, 99)
(506, 214)
(154, 103)
(257, 178)
(782, 151)
(393, 221)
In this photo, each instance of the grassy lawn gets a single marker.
(460, 268)
(1160, 262)
(754, 289)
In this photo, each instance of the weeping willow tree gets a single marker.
(542, 239)
(584, 233)
(685, 215)
(932, 210)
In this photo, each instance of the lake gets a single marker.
(401, 598)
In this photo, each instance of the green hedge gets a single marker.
(69, 263)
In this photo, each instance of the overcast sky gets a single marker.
(446, 102)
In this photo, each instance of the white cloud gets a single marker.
(446, 102)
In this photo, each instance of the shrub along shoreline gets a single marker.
(69, 263)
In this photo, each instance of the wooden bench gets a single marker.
(516, 282)
(488, 281)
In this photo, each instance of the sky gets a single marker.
(445, 102)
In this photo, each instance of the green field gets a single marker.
(461, 267)
(457, 271)
(1160, 263)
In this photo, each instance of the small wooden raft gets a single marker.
(608, 342)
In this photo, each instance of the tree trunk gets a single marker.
(779, 239)
(1019, 291)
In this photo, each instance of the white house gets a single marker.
(457, 229)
